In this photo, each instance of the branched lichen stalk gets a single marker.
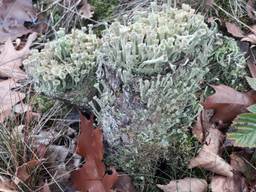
(65, 67)
(151, 71)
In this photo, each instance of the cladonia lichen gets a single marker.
(151, 71)
(65, 67)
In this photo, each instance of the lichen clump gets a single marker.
(152, 70)
(65, 67)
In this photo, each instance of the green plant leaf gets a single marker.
(251, 82)
(252, 108)
(245, 131)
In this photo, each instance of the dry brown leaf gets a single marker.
(13, 14)
(92, 176)
(124, 184)
(208, 157)
(202, 125)
(228, 184)
(234, 30)
(11, 59)
(227, 103)
(251, 63)
(8, 97)
(23, 171)
(250, 7)
(250, 38)
(86, 10)
(7, 185)
(185, 185)
(211, 162)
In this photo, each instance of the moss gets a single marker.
(103, 9)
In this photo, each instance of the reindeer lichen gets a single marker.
(151, 72)
(65, 67)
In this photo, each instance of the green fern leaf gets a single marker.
(245, 131)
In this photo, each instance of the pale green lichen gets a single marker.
(151, 73)
(65, 67)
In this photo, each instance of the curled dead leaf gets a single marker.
(208, 157)
(185, 185)
(227, 103)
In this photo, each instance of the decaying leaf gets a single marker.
(228, 103)
(208, 157)
(202, 125)
(92, 176)
(11, 59)
(234, 30)
(8, 97)
(185, 185)
(86, 10)
(23, 171)
(124, 184)
(7, 185)
(250, 7)
(13, 14)
(228, 184)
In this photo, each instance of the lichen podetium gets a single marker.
(152, 70)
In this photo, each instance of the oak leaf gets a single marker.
(13, 14)
(8, 97)
(227, 103)
(185, 185)
(11, 59)
(92, 175)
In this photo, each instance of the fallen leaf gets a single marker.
(251, 63)
(8, 97)
(92, 175)
(7, 185)
(13, 14)
(185, 185)
(228, 184)
(124, 184)
(234, 30)
(202, 125)
(250, 8)
(23, 171)
(11, 59)
(250, 38)
(208, 157)
(86, 10)
(227, 103)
